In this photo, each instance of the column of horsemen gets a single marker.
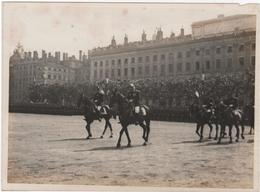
(225, 113)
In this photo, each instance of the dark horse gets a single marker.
(230, 118)
(126, 117)
(90, 115)
(203, 116)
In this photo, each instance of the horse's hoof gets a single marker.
(111, 136)
(129, 145)
(144, 144)
(118, 145)
(101, 137)
(215, 138)
(87, 137)
(236, 140)
(242, 136)
(210, 137)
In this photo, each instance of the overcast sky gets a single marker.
(69, 27)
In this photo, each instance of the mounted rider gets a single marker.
(134, 99)
(98, 100)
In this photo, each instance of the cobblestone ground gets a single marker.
(48, 149)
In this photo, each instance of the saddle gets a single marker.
(104, 109)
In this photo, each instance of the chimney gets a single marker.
(64, 57)
(58, 55)
(80, 55)
(43, 54)
(182, 32)
(29, 55)
(35, 55)
(125, 40)
(143, 36)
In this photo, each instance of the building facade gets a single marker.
(27, 70)
(215, 46)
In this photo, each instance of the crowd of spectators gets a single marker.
(158, 94)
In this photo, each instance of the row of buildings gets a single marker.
(219, 45)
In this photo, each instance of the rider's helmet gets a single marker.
(132, 86)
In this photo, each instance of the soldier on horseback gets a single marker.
(98, 99)
(134, 99)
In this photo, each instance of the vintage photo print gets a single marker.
(130, 96)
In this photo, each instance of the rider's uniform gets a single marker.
(134, 98)
(98, 100)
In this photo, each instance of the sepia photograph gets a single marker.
(146, 95)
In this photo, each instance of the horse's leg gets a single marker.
(106, 125)
(201, 132)
(88, 130)
(128, 137)
(210, 130)
(147, 129)
(144, 131)
(222, 128)
(216, 136)
(242, 130)
(110, 127)
(230, 133)
(120, 135)
(197, 129)
(237, 135)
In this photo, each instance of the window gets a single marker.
(155, 58)
(113, 63)
(101, 63)
(188, 54)
(132, 60)
(207, 65)
(179, 54)
(126, 61)
(187, 66)
(118, 72)
(241, 61)
(107, 63)
(197, 52)
(140, 59)
(126, 72)
(162, 57)
(253, 60)
(133, 72)
(253, 47)
(218, 50)
(140, 70)
(119, 61)
(147, 69)
(49, 76)
(170, 68)
(106, 73)
(155, 69)
(218, 64)
(112, 73)
(197, 66)
(101, 73)
(147, 59)
(95, 74)
(162, 69)
(207, 51)
(241, 48)
(229, 63)
(179, 67)
(229, 49)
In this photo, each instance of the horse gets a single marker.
(126, 117)
(230, 117)
(90, 115)
(203, 116)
